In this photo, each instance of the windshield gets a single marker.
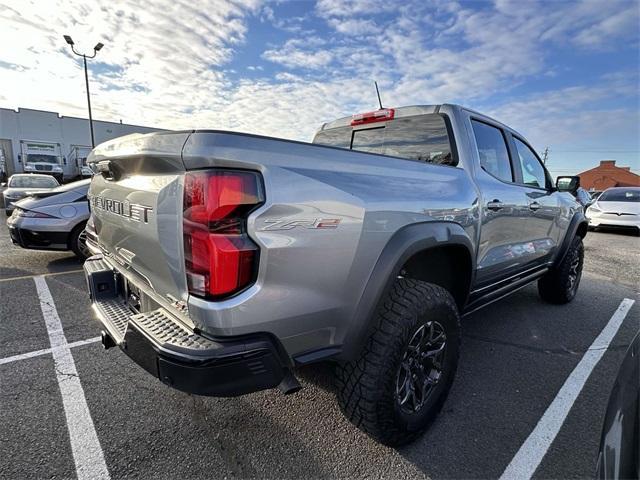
(31, 181)
(40, 158)
(621, 195)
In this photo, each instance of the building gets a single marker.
(607, 175)
(69, 138)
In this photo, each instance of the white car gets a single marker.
(617, 207)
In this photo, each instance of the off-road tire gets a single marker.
(556, 285)
(74, 242)
(366, 387)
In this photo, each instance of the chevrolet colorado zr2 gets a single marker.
(222, 261)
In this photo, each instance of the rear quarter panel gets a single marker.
(311, 279)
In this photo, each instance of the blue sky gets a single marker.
(564, 73)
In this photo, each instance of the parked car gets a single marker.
(617, 207)
(21, 184)
(225, 260)
(619, 455)
(52, 220)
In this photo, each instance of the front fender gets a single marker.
(577, 226)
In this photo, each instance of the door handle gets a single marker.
(534, 206)
(495, 205)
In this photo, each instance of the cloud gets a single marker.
(340, 8)
(586, 115)
(157, 61)
(620, 24)
(171, 63)
(297, 53)
(353, 26)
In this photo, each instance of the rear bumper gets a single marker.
(39, 240)
(176, 354)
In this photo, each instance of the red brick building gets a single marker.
(607, 175)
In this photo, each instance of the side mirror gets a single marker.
(568, 184)
(19, 158)
(3, 184)
(64, 160)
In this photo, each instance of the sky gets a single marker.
(565, 74)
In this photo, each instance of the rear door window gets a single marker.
(424, 138)
(492, 150)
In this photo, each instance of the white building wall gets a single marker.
(50, 127)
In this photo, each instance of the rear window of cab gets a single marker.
(423, 138)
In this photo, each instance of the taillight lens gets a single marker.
(220, 258)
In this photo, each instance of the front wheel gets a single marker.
(401, 379)
(560, 284)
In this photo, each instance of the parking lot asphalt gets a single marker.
(516, 355)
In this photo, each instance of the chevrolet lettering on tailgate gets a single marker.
(126, 209)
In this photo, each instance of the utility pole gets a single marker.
(96, 49)
(545, 155)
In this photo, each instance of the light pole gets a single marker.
(96, 49)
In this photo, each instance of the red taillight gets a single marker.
(381, 115)
(220, 258)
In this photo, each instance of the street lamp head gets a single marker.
(68, 39)
(98, 47)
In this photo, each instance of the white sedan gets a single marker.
(616, 207)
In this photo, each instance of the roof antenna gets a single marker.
(378, 92)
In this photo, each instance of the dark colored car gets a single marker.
(619, 455)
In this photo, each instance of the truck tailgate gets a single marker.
(136, 201)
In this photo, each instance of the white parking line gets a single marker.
(528, 458)
(85, 446)
(37, 353)
(52, 274)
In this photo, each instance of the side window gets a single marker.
(492, 149)
(533, 172)
(423, 138)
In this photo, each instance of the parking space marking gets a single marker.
(37, 353)
(22, 277)
(85, 446)
(528, 458)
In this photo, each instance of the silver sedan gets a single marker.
(52, 220)
(22, 184)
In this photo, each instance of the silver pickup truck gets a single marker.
(223, 260)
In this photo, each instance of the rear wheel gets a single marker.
(560, 284)
(394, 390)
(77, 242)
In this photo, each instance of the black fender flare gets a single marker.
(405, 243)
(577, 221)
